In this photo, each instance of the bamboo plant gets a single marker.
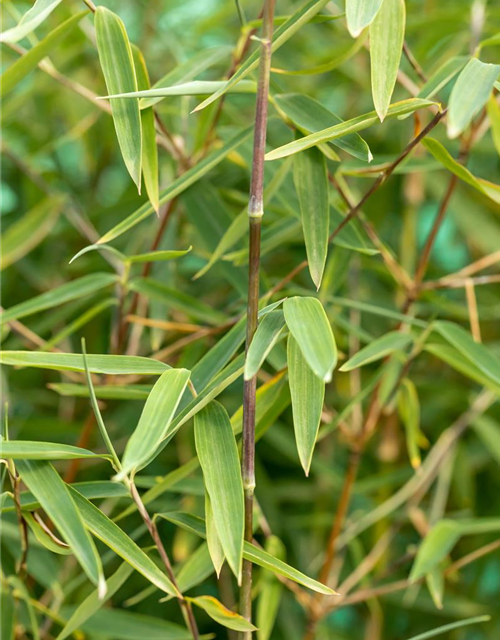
(250, 319)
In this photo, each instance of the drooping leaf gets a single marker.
(441, 154)
(214, 545)
(30, 21)
(378, 349)
(310, 116)
(74, 290)
(105, 364)
(27, 62)
(178, 186)
(117, 65)
(149, 148)
(221, 614)
(158, 256)
(494, 115)
(360, 14)
(116, 539)
(387, 33)
(349, 126)
(310, 177)
(91, 604)
(470, 93)
(266, 336)
(435, 546)
(477, 353)
(26, 450)
(155, 419)
(196, 569)
(450, 627)
(308, 392)
(219, 460)
(45, 537)
(308, 10)
(50, 491)
(309, 325)
(409, 410)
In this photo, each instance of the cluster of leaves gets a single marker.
(376, 354)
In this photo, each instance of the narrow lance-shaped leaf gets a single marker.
(309, 325)
(46, 485)
(73, 290)
(221, 614)
(311, 183)
(266, 336)
(116, 539)
(450, 627)
(360, 14)
(349, 126)
(149, 148)
(378, 349)
(470, 93)
(219, 460)
(409, 410)
(30, 21)
(194, 88)
(214, 545)
(155, 419)
(494, 116)
(27, 450)
(117, 64)
(27, 62)
(308, 393)
(105, 364)
(270, 593)
(386, 44)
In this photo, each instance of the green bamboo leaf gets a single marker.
(494, 117)
(266, 336)
(219, 460)
(29, 61)
(309, 325)
(26, 450)
(270, 593)
(456, 360)
(106, 392)
(308, 392)
(116, 539)
(26, 233)
(310, 177)
(50, 491)
(303, 15)
(105, 364)
(213, 541)
(387, 33)
(197, 568)
(155, 419)
(440, 78)
(129, 625)
(189, 69)
(435, 546)
(435, 583)
(8, 620)
(179, 185)
(378, 349)
(73, 290)
(251, 552)
(349, 126)
(441, 154)
(310, 116)
(117, 65)
(45, 537)
(489, 432)
(149, 148)
(470, 93)
(30, 21)
(158, 256)
(221, 614)
(476, 353)
(194, 88)
(409, 410)
(360, 14)
(92, 604)
(450, 627)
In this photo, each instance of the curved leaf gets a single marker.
(378, 349)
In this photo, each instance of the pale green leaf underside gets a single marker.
(360, 14)
(30, 21)
(266, 336)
